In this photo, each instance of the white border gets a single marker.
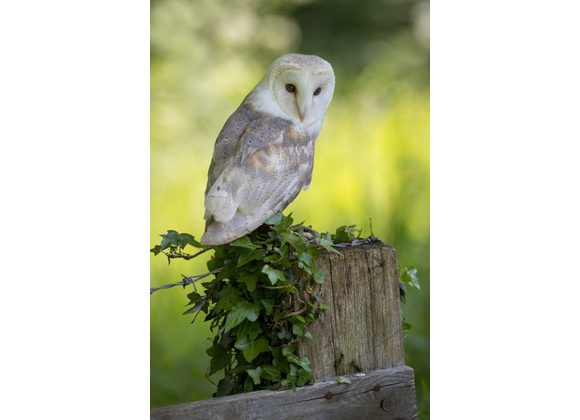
(74, 174)
(505, 209)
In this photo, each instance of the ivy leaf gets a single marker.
(273, 274)
(303, 377)
(251, 349)
(225, 386)
(288, 352)
(284, 334)
(168, 239)
(346, 234)
(304, 363)
(250, 280)
(219, 358)
(298, 324)
(293, 239)
(295, 361)
(298, 329)
(403, 292)
(293, 370)
(188, 239)
(284, 224)
(247, 328)
(342, 380)
(268, 305)
(409, 276)
(244, 242)
(327, 244)
(248, 384)
(244, 310)
(194, 297)
(195, 307)
(270, 373)
(248, 255)
(306, 258)
(228, 298)
(255, 374)
(275, 219)
(318, 276)
(173, 240)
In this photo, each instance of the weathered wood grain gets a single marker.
(361, 329)
(320, 350)
(380, 394)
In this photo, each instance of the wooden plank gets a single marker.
(380, 394)
(361, 330)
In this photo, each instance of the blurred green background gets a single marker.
(372, 156)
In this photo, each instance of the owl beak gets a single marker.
(303, 106)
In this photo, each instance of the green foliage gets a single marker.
(175, 241)
(347, 234)
(259, 307)
(262, 299)
(407, 276)
(261, 302)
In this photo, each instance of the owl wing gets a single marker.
(227, 143)
(271, 162)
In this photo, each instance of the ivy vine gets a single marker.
(262, 298)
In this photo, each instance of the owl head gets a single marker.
(300, 87)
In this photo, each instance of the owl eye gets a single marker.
(290, 88)
(317, 91)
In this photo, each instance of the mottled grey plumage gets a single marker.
(262, 157)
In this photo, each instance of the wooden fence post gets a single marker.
(361, 329)
(358, 336)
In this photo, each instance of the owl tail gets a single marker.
(217, 233)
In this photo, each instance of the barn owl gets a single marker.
(264, 154)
